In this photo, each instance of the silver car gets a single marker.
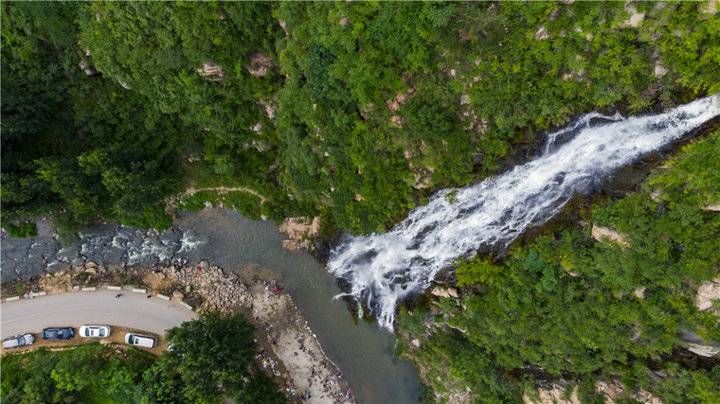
(95, 331)
(18, 341)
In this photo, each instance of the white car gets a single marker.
(144, 341)
(18, 341)
(94, 331)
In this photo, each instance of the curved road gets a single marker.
(132, 310)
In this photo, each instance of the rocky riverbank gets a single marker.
(109, 245)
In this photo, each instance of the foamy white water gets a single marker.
(383, 269)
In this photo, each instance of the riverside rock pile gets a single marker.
(109, 245)
(309, 375)
(218, 290)
(314, 376)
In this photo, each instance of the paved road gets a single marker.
(133, 310)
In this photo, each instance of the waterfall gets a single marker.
(383, 269)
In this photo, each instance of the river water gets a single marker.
(384, 269)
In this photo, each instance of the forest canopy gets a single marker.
(351, 111)
(356, 112)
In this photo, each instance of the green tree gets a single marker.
(213, 357)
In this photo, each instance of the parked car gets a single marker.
(144, 341)
(56, 333)
(18, 341)
(95, 331)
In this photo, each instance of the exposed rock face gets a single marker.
(709, 8)
(259, 64)
(124, 85)
(706, 351)
(423, 178)
(541, 34)
(211, 71)
(344, 21)
(269, 108)
(283, 25)
(219, 291)
(300, 231)
(707, 293)
(635, 19)
(656, 196)
(397, 121)
(552, 395)
(444, 292)
(601, 233)
(614, 391)
(395, 103)
(697, 345)
(713, 208)
(660, 70)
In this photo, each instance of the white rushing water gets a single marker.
(383, 269)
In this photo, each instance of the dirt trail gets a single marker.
(223, 190)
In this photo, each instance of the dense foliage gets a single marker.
(566, 306)
(354, 111)
(211, 359)
(90, 373)
(79, 146)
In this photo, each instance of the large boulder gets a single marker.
(707, 293)
(706, 351)
(614, 391)
(260, 64)
(554, 394)
(636, 18)
(602, 233)
(440, 291)
(697, 345)
(211, 71)
(300, 231)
